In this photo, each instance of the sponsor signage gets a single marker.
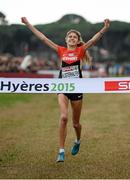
(117, 85)
(65, 85)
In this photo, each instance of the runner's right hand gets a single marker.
(24, 20)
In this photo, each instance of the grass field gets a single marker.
(29, 138)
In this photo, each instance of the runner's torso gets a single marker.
(70, 62)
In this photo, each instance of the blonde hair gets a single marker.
(74, 31)
(87, 56)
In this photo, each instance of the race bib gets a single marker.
(70, 72)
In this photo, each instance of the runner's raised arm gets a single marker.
(98, 35)
(40, 35)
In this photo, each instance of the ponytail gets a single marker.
(87, 58)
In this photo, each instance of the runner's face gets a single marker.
(72, 39)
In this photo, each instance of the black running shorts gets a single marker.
(74, 96)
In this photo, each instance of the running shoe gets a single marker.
(61, 157)
(75, 148)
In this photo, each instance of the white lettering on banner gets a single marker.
(65, 85)
(124, 85)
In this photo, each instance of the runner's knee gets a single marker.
(64, 118)
(76, 125)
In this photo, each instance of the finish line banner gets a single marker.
(76, 85)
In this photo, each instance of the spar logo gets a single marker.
(117, 85)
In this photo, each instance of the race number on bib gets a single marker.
(70, 72)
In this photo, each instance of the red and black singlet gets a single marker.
(70, 62)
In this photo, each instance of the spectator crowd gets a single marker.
(9, 63)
